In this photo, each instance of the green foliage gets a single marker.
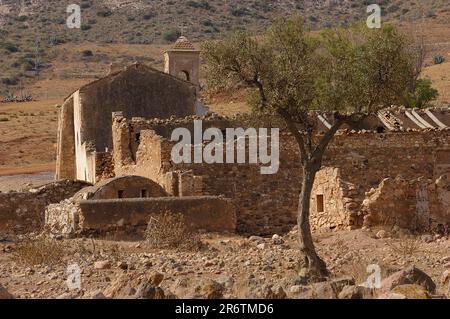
(10, 47)
(422, 96)
(22, 18)
(104, 13)
(351, 70)
(199, 5)
(87, 53)
(85, 27)
(150, 15)
(172, 35)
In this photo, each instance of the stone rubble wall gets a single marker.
(267, 204)
(131, 216)
(419, 204)
(22, 212)
(339, 208)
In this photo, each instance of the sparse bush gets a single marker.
(239, 12)
(171, 231)
(22, 18)
(200, 5)
(423, 95)
(407, 247)
(172, 35)
(208, 23)
(393, 8)
(10, 81)
(42, 251)
(60, 21)
(10, 47)
(104, 14)
(87, 53)
(85, 27)
(150, 15)
(54, 40)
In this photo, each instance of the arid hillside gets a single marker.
(124, 31)
(31, 29)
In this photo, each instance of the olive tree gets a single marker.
(349, 73)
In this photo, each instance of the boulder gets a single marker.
(412, 291)
(381, 234)
(146, 290)
(274, 292)
(102, 264)
(446, 278)
(4, 294)
(356, 292)
(408, 276)
(155, 278)
(329, 289)
(211, 289)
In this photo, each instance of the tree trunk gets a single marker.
(315, 266)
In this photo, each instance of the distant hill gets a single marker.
(29, 29)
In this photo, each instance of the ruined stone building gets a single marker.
(392, 169)
(84, 130)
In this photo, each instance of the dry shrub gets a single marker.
(171, 231)
(407, 247)
(41, 251)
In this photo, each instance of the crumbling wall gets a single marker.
(267, 204)
(130, 216)
(65, 154)
(418, 204)
(138, 90)
(22, 212)
(104, 166)
(123, 187)
(333, 202)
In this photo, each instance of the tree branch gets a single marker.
(298, 136)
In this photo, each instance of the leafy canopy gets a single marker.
(345, 71)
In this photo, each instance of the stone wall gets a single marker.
(333, 202)
(268, 203)
(123, 187)
(85, 118)
(22, 212)
(130, 216)
(418, 204)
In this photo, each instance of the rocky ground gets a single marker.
(226, 267)
(25, 181)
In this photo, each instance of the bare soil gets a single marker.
(243, 265)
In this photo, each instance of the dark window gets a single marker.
(144, 193)
(120, 194)
(380, 129)
(320, 206)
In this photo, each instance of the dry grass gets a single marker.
(42, 251)
(406, 247)
(170, 231)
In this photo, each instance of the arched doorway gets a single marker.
(184, 75)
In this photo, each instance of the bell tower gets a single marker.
(183, 61)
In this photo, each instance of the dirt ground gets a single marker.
(25, 181)
(242, 266)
